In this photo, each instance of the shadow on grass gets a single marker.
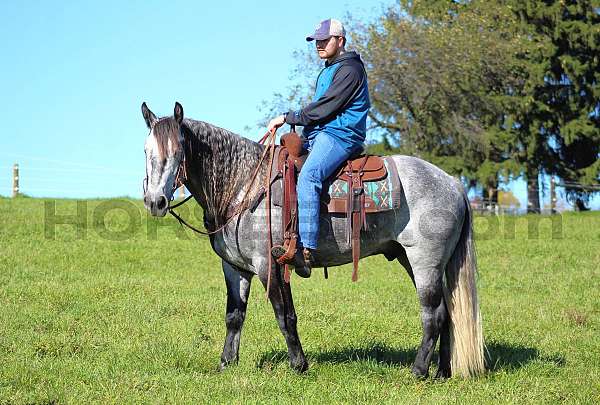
(501, 356)
(375, 352)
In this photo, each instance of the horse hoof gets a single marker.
(225, 364)
(443, 373)
(420, 374)
(300, 367)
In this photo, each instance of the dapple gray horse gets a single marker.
(430, 234)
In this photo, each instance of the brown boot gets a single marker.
(302, 261)
(308, 263)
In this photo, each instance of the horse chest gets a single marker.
(226, 250)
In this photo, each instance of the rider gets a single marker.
(334, 126)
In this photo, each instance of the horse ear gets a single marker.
(148, 115)
(178, 112)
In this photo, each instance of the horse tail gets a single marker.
(466, 335)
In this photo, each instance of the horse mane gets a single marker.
(225, 162)
(166, 129)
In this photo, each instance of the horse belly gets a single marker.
(335, 249)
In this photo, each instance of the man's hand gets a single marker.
(276, 123)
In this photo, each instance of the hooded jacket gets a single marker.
(340, 104)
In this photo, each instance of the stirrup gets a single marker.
(300, 261)
(279, 253)
(284, 254)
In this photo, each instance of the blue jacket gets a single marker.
(340, 104)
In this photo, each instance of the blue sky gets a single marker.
(74, 75)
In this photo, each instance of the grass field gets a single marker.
(129, 309)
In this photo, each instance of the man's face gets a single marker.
(328, 48)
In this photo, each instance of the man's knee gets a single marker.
(309, 177)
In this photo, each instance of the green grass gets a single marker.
(85, 318)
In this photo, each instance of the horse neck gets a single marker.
(224, 162)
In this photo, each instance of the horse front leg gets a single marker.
(280, 295)
(238, 289)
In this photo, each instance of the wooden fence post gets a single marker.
(15, 189)
(552, 196)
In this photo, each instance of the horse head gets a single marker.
(164, 157)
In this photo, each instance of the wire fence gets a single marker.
(77, 165)
(60, 177)
(550, 201)
(490, 207)
(50, 177)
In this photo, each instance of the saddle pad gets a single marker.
(381, 195)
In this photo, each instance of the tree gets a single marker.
(438, 74)
(485, 89)
(508, 199)
(302, 81)
(566, 91)
(534, 107)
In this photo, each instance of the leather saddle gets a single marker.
(288, 162)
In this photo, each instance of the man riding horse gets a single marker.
(425, 224)
(334, 127)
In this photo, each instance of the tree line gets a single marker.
(489, 90)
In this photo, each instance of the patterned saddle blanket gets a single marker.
(380, 195)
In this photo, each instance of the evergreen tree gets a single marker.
(563, 115)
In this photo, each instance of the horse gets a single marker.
(430, 235)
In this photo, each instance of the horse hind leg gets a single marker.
(444, 364)
(434, 319)
(434, 316)
(238, 289)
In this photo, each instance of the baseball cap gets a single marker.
(328, 28)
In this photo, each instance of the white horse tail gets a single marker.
(466, 335)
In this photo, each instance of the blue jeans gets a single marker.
(325, 156)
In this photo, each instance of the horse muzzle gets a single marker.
(157, 204)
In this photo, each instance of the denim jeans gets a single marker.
(325, 156)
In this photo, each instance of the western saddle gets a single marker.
(287, 164)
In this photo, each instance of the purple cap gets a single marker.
(326, 29)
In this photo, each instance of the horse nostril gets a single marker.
(161, 203)
(146, 201)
